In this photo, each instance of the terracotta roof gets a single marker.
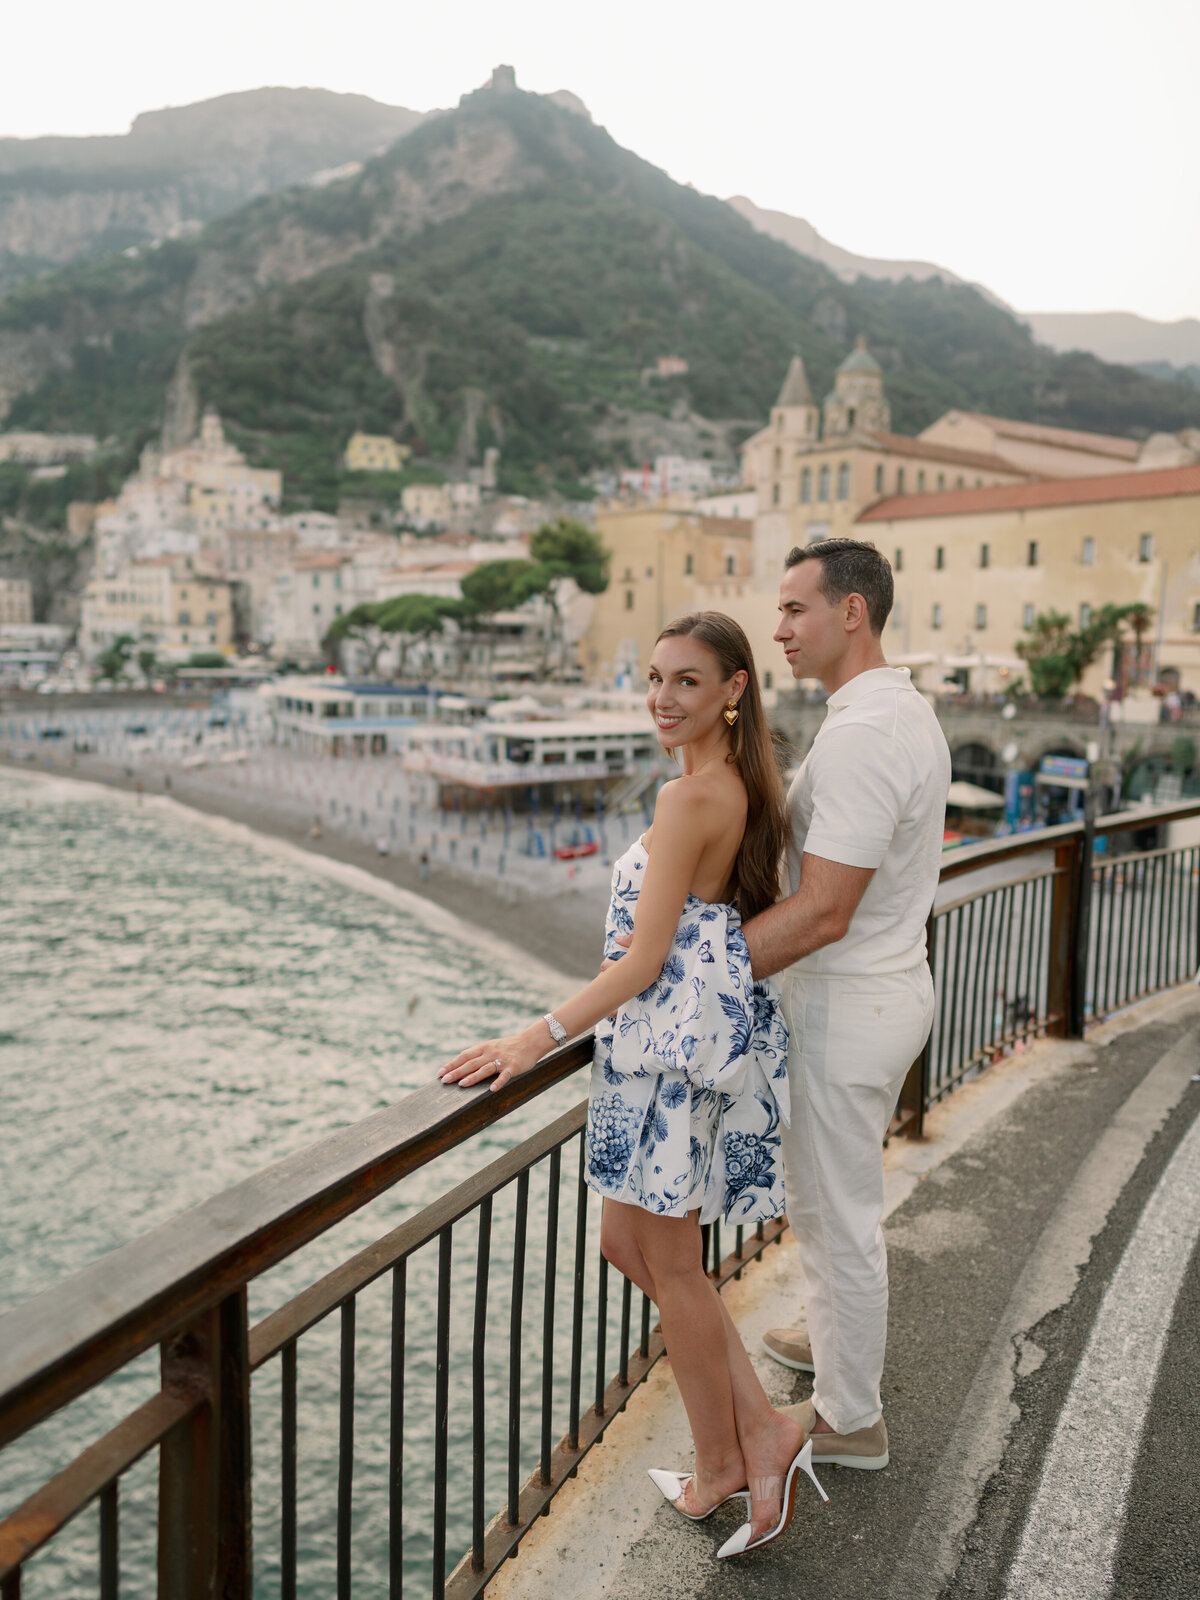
(1039, 493)
(1101, 444)
(319, 560)
(901, 445)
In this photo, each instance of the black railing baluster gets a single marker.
(577, 1305)
(514, 1351)
(396, 1431)
(738, 1235)
(483, 1261)
(10, 1587)
(958, 1008)
(548, 1301)
(441, 1413)
(644, 1346)
(601, 1332)
(1113, 934)
(287, 1472)
(345, 1486)
(110, 1570)
(937, 1064)
(626, 1305)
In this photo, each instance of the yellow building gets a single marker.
(974, 567)
(815, 469)
(1033, 446)
(374, 452)
(663, 561)
(16, 601)
(161, 603)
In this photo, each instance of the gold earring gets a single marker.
(731, 713)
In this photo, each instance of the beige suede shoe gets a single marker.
(790, 1347)
(865, 1448)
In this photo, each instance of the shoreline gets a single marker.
(563, 933)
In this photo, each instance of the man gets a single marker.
(867, 811)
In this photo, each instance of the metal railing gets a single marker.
(485, 1385)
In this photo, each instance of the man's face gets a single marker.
(811, 631)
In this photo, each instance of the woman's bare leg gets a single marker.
(618, 1245)
(769, 1440)
(694, 1330)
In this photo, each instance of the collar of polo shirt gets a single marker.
(867, 682)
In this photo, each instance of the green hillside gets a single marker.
(502, 276)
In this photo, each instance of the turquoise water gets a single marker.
(178, 1009)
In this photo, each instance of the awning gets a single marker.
(964, 796)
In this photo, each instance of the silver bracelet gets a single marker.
(557, 1032)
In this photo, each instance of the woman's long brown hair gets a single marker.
(755, 880)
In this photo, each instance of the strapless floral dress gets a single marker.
(689, 1084)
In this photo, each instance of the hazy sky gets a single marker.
(1047, 148)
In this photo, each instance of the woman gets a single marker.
(689, 1078)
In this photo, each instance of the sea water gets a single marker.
(180, 1006)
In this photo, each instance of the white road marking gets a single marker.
(975, 1448)
(1074, 1525)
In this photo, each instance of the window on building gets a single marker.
(729, 566)
(316, 608)
(775, 494)
(649, 572)
(1085, 614)
(185, 618)
(1089, 552)
(981, 616)
(778, 458)
(184, 637)
(844, 481)
(628, 574)
(941, 481)
(779, 421)
(1146, 547)
(316, 580)
(629, 599)
(898, 563)
(921, 481)
(985, 555)
(1027, 614)
(937, 616)
(806, 486)
(1031, 556)
(823, 484)
(939, 558)
(959, 481)
(899, 480)
(878, 480)
(689, 565)
(768, 680)
(210, 620)
(850, 415)
(1196, 616)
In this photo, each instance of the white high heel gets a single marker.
(672, 1485)
(783, 1489)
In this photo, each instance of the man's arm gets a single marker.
(817, 914)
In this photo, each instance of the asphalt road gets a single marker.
(1042, 1389)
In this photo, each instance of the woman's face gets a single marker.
(687, 693)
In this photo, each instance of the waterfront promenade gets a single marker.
(1041, 1383)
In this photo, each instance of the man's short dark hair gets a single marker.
(851, 566)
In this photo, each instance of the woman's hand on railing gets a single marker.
(502, 1059)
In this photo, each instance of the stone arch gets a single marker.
(975, 761)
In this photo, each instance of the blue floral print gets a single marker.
(689, 1084)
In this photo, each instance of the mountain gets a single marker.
(64, 200)
(1163, 349)
(802, 236)
(506, 274)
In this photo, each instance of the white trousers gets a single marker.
(853, 1040)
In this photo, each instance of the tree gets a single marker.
(146, 660)
(113, 660)
(362, 625)
(416, 617)
(1058, 655)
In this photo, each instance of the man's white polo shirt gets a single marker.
(872, 793)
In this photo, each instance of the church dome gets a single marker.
(860, 358)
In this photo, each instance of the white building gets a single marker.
(46, 449)
(171, 609)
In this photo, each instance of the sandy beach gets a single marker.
(563, 931)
